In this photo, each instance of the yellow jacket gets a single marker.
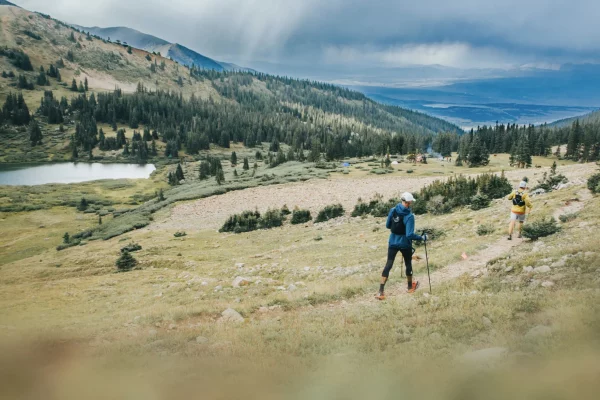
(521, 209)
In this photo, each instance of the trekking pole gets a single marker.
(427, 261)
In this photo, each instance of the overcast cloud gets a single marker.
(381, 33)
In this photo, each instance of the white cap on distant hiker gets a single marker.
(522, 185)
(407, 197)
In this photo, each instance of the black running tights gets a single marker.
(392, 252)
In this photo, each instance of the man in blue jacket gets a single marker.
(401, 221)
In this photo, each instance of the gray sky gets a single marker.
(378, 33)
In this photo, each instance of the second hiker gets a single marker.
(401, 222)
(521, 204)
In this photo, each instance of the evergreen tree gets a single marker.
(246, 164)
(233, 159)
(42, 80)
(74, 85)
(85, 84)
(315, 153)
(523, 152)
(66, 238)
(35, 133)
(179, 173)
(220, 177)
(83, 204)
(478, 154)
(574, 143)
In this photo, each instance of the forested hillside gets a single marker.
(581, 142)
(84, 81)
(593, 117)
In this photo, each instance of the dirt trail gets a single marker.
(494, 250)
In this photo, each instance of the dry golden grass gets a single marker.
(327, 336)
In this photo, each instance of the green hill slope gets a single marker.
(199, 107)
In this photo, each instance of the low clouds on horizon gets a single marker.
(381, 33)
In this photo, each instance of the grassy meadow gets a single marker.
(310, 325)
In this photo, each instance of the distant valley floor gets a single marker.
(469, 111)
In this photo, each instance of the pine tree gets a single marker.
(235, 173)
(74, 85)
(220, 177)
(233, 159)
(179, 173)
(574, 142)
(126, 261)
(83, 204)
(85, 84)
(246, 164)
(478, 154)
(35, 133)
(99, 219)
(66, 238)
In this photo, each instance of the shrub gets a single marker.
(479, 201)
(438, 206)
(126, 261)
(564, 218)
(300, 216)
(432, 234)
(330, 212)
(376, 207)
(285, 210)
(419, 207)
(485, 229)
(542, 228)
(131, 247)
(271, 219)
(244, 222)
(409, 171)
(180, 234)
(593, 183)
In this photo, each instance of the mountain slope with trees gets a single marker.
(66, 76)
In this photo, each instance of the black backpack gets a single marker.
(518, 199)
(398, 226)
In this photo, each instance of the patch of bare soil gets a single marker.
(211, 212)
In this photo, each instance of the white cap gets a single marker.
(523, 184)
(407, 197)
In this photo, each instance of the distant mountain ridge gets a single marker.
(144, 41)
(7, 3)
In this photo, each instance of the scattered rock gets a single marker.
(201, 340)
(263, 310)
(486, 321)
(172, 327)
(307, 269)
(508, 269)
(538, 331)
(547, 284)
(217, 288)
(528, 269)
(239, 265)
(485, 357)
(476, 274)
(537, 192)
(292, 287)
(240, 281)
(542, 270)
(230, 315)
